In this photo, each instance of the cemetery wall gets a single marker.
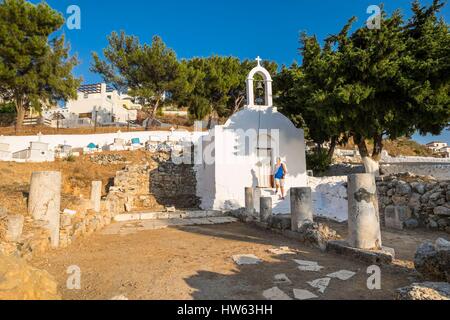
(18, 143)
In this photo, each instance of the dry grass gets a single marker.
(76, 178)
(398, 147)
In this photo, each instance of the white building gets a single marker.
(98, 102)
(436, 146)
(37, 152)
(243, 152)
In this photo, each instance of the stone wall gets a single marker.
(410, 201)
(440, 171)
(174, 184)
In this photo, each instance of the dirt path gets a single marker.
(195, 263)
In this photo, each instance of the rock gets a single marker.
(301, 294)
(435, 196)
(442, 244)
(425, 291)
(282, 279)
(320, 284)
(245, 259)
(317, 234)
(418, 187)
(433, 260)
(448, 196)
(343, 275)
(411, 223)
(443, 223)
(403, 188)
(442, 211)
(433, 224)
(308, 265)
(19, 281)
(275, 294)
(14, 228)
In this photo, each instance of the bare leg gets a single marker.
(277, 186)
(282, 192)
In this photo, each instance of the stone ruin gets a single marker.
(408, 201)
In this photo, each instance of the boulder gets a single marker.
(432, 260)
(425, 291)
(442, 211)
(19, 281)
(317, 234)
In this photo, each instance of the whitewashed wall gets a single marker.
(17, 143)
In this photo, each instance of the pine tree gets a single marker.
(35, 66)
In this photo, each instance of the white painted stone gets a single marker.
(281, 251)
(70, 212)
(343, 275)
(275, 294)
(301, 294)
(246, 259)
(282, 279)
(320, 284)
(305, 265)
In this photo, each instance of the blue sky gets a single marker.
(244, 28)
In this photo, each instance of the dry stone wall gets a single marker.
(410, 201)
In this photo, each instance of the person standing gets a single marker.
(279, 175)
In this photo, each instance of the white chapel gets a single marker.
(243, 152)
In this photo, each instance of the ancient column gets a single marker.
(44, 201)
(265, 209)
(363, 216)
(301, 207)
(256, 198)
(96, 195)
(249, 205)
(14, 228)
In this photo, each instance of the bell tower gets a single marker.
(259, 69)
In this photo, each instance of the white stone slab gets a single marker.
(282, 279)
(246, 259)
(343, 275)
(281, 251)
(320, 284)
(149, 216)
(305, 265)
(121, 297)
(275, 294)
(306, 262)
(301, 294)
(127, 217)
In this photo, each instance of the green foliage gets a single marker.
(35, 67)
(7, 108)
(372, 84)
(216, 85)
(144, 71)
(318, 161)
(70, 158)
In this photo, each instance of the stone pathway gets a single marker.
(275, 293)
(134, 226)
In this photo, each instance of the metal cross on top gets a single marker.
(258, 59)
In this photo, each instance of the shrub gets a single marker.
(318, 161)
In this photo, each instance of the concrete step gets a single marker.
(132, 227)
(136, 216)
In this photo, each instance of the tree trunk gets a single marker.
(20, 108)
(377, 147)
(370, 165)
(332, 148)
(209, 122)
(152, 115)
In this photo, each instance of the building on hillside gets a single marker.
(435, 146)
(445, 151)
(101, 104)
(243, 152)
